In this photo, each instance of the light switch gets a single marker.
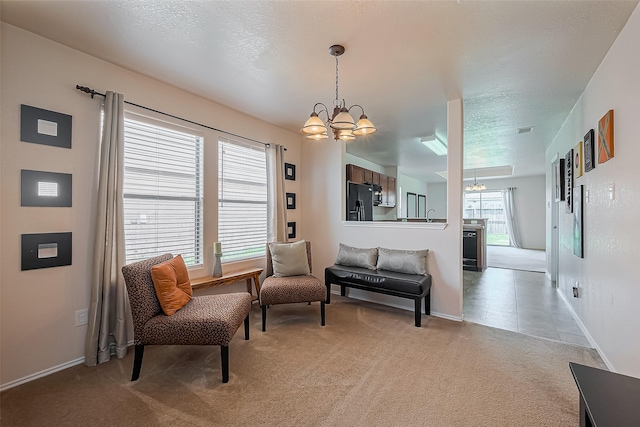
(612, 191)
(586, 196)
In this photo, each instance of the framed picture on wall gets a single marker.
(577, 160)
(290, 171)
(291, 200)
(578, 226)
(589, 156)
(558, 179)
(605, 137)
(568, 181)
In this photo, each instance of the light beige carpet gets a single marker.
(516, 258)
(368, 367)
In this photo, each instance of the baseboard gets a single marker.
(586, 333)
(402, 307)
(41, 374)
(548, 275)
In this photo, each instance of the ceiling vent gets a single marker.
(524, 130)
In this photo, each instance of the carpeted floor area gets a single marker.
(516, 258)
(368, 367)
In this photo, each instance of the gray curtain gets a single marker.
(276, 204)
(510, 214)
(109, 312)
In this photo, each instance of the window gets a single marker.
(489, 205)
(162, 191)
(242, 200)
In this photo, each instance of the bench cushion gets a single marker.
(410, 284)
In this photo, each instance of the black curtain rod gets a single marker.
(94, 93)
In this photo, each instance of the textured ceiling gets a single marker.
(514, 63)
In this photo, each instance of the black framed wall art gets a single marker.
(568, 181)
(45, 127)
(589, 151)
(47, 189)
(558, 179)
(291, 230)
(290, 171)
(44, 250)
(291, 200)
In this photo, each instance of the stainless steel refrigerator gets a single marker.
(359, 202)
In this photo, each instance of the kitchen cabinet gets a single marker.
(368, 176)
(360, 175)
(355, 174)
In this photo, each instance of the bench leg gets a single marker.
(264, 318)
(322, 314)
(328, 293)
(224, 355)
(418, 306)
(343, 290)
(427, 304)
(246, 327)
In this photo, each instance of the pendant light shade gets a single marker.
(341, 121)
(314, 125)
(364, 126)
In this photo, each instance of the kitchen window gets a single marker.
(162, 191)
(242, 200)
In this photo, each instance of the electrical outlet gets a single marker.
(576, 292)
(82, 317)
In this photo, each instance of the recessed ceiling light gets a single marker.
(524, 130)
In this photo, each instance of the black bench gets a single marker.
(403, 285)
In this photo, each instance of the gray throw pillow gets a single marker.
(289, 259)
(357, 257)
(410, 262)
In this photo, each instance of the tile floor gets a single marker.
(519, 301)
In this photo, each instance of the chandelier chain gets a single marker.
(337, 79)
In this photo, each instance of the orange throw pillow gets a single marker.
(171, 281)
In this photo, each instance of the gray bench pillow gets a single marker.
(357, 257)
(410, 262)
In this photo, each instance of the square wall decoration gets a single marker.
(289, 171)
(568, 181)
(605, 137)
(291, 230)
(291, 200)
(45, 188)
(577, 160)
(589, 158)
(44, 250)
(45, 127)
(558, 179)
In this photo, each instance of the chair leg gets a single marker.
(418, 306)
(137, 361)
(246, 327)
(264, 318)
(322, 314)
(224, 355)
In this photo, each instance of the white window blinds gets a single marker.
(162, 192)
(242, 200)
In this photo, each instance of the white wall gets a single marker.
(407, 184)
(437, 199)
(608, 273)
(323, 193)
(38, 332)
(530, 201)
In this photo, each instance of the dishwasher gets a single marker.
(470, 250)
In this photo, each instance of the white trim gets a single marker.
(548, 275)
(41, 374)
(397, 224)
(447, 316)
(586, 333)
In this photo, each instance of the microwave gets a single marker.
(377, 194)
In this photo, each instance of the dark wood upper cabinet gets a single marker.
(355, 174)
(368, 176)
(391, 198)
(376, 178)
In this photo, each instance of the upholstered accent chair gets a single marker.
(204, 320)
(291, 289)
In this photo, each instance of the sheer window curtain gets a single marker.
(510, 214)
(276, 206)
(109, 312)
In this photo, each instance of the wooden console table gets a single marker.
(227, 279)
(607, 399)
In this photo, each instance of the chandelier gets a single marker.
(341, 122)
(475, 186)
